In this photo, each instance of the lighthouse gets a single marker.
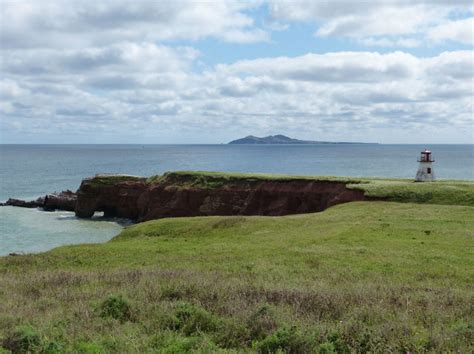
(425, 169)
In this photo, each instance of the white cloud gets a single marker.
(330, 67)
(142, 57)
(57, 23)
(10, 89)
(379, 23)
(346, 91)
(458, 31)
(455, 67)
(105, 68)
(390, 42)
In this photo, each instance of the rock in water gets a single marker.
(65, 200)
(22, 203)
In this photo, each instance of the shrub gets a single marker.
(171, 293)
(261, 323)
(53, 347)
(191, 319)
(463, 331)
(23, 339)
(88, 348)
(286, 340)
(190, 344)
(339, 344)
(232, 334)
(327, 348)
(116, 307)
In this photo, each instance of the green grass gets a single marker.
(205, 179)
(107, 180)
(439, 192)
(362, 276)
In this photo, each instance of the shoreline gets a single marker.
(121, 197)
(34, 231)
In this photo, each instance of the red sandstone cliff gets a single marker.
(200, 195)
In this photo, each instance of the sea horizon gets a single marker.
(191, 144)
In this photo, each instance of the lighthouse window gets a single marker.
(429, 170)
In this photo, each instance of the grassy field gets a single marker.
(406, 191)
(362, 276)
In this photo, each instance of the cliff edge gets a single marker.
(202, 194)
(190, 193)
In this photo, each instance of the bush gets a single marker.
(88, 348)
(190, 344)
(338, 342)
(261, 323)
(327, 348)
(116, 307)
(53, 347)
(23, 339)
(286, 340)
(171, 293)
(232, 334)
(191, 319)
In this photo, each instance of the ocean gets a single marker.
(30, 171)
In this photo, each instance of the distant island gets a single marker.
(282, 139)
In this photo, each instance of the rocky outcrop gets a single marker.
(114, 195)
(65, 200)
(23, 203)
(200, 195)
(196, 194)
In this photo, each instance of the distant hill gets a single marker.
(280, 139)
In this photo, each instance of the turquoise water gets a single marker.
(30, 171)
(31, 230)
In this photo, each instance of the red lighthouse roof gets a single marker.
(426, 156)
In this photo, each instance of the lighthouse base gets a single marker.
(424, 179)
(425, 173)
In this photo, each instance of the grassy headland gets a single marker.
(446, 192)
(363, 276)
(406, 191)
(111, 179)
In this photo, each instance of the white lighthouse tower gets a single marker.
(425, 170)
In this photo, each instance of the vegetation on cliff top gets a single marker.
(111, 179)
(406, 191)
(400, 190)
(359, 277)
(205, 179)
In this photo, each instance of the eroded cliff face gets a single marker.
(181, 195)
(114, 195)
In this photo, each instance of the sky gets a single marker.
(185, 72)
